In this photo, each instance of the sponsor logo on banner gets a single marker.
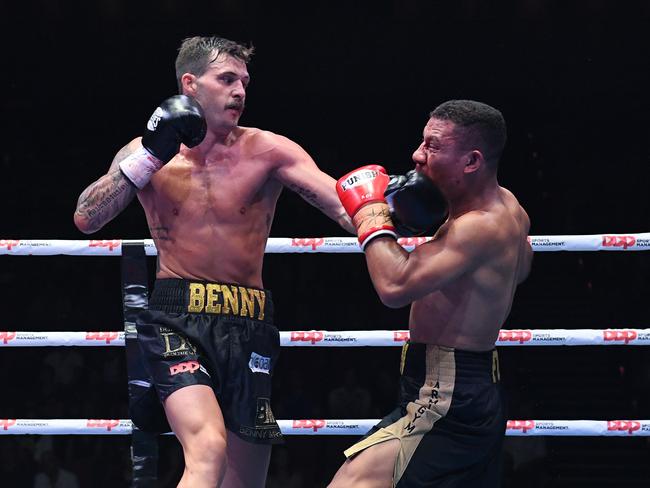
(102, 336)
(522, 425)
(107, 424)
(545, 242)
(311, 242)
(259, 364)
(401, 335)
(620, 335)
(312, 336)
(5, 337)
(309, 424)
(519, 336)
(9, 243)
(619, 241)
(185, 367)
(110, 244)
(6, 423)
(624, 425)
(411, 241)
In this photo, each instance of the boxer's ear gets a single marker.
(473, 161)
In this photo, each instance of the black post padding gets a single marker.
(144, 444)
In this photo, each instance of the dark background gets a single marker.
(353, 84)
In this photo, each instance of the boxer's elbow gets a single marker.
(393, 294)
(83, 223)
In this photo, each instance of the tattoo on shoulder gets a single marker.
(309, 195)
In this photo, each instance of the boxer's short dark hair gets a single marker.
(196, 54)
(484, 125)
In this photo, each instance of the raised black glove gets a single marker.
(415, 203)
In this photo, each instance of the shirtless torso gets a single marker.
(468, 312)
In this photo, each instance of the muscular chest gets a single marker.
(226, 189)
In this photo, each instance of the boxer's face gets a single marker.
(440, 154)
(221, 91)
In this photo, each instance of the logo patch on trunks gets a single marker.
(264, 415)
(185, 367)
(259, 364)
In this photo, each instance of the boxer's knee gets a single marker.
(205, 451)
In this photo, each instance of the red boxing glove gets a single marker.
(362, 194)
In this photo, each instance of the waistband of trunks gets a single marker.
(204, 297)
(463, 365)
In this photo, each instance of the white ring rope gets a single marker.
(113, 247)
(356, 338)
(615, 428)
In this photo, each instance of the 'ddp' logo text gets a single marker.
(6, 423)
(101, 336)
(519, 336)
(110, 244)
(522, 425)
(623, 425)
(107, 424)
(186, 367)
(312, 336)
(400, 335)
(309, 424)
(619, 241)
(311, 242)
(9, 243)
(620, 335)
(7, 336)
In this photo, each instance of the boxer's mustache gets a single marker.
(236, 106)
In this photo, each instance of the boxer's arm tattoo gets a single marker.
(107, 197)
(309, 195)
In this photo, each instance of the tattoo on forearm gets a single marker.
(102, 201)
(307, 194)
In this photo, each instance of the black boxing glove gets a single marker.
(415, 203)
(179, 119)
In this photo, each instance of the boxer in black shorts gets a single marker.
(219, 335)
(450, 419)
(461, 284)
(209, 189)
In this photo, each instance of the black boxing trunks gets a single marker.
(450, 420)
(220, 335)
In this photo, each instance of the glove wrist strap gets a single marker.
(140, 166)
(373, 220)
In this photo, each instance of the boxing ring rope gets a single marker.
(113, 247)
(354, 338)
(322, 338)
(590, 428)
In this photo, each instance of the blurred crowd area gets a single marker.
(353, 86)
